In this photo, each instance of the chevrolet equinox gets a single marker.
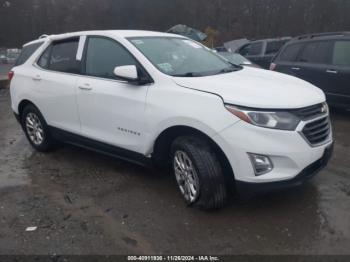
(163, 99)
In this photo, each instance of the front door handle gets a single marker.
(332, 71)
(37, 78)
(296, 68)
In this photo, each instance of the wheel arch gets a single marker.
(162, 145)
(23, 104)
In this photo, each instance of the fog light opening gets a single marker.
(261, 164)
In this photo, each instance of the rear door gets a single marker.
(339, 74)
(111, 111)
(55, 84)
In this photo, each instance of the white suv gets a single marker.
(156, 98)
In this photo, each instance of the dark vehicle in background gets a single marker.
(220, 49)
(321, 59)
(237, 59)
(261, 52)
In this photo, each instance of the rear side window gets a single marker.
(251, 49)
(61, 56)
(290, 53)
(274, 46)
(341, 54)
(103, 55)
(317, 52)
(27, 52)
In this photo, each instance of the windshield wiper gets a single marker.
(233, 68)
(188, 74)
(228, 70)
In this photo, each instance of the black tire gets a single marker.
(47, 143)
(213, 193)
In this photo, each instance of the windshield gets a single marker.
(235, 58)
(182, 57)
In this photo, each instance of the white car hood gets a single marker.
(257, 88)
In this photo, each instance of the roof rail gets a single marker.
(322, 35)
(43, 36)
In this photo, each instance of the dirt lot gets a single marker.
(85, 203)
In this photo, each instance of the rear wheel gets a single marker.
(198, 173)
(36, 129)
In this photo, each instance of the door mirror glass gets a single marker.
(128, 73)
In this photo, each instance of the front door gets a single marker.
(313, 62)
(339, 74)
(111, 111)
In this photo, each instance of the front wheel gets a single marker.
(198, 173)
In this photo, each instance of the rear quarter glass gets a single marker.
(27, 52)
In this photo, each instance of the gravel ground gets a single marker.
(86, 203)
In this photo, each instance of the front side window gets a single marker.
(317, 52)
(181, 57)
(104, 55)
(63, 57)
(341, 54)
(290, 53)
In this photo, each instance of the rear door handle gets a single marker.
(86, 87)
(37, 78)
(332, 71)
(296, 68)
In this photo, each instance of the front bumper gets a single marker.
(244, 188)
(290, 154)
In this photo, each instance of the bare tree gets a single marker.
(24, 20)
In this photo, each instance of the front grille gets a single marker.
(318, 131)
(310, 111)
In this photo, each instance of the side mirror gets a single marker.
(127, 73)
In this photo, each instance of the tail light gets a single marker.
(10, 75)
(272, 66)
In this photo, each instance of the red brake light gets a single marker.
(273, 66)
(10, 75)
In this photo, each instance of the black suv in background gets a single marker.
(261, 52)
(321, 59)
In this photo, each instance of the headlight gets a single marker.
(269, 119)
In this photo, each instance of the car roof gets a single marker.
(110, 33)
(321, 36)
(284, 38)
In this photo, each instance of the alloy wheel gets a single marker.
(186, 176)
(34, 129)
